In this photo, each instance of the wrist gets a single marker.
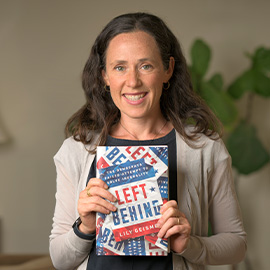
(85, 230)
(82, 233)
(179, 245)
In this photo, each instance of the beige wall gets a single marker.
(43, 47)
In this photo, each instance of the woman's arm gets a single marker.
(67, 249)
(70, 243)
(228, 244)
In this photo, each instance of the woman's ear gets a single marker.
(169, 71)
(105, 77)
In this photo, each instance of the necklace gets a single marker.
(136, 137)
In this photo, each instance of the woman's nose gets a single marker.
(133, 79)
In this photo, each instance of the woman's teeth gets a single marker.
(134, 97)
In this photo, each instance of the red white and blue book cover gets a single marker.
(138, 177)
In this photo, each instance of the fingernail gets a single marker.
(114, 208)
(106, 186)
(158, 225)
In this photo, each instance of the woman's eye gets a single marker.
(119, 68)
(146, 67)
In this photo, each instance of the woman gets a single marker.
(139, 92)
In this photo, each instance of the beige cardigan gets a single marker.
(205, 192)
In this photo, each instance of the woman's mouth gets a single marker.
(134, 97)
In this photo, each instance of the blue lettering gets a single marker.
(133, 214)
(105, 235)
(147, 209)
(116, 219)
(118, 160)
(140, 211)
(111, 240)
(123, 215)
(113, 153)
(156, 208)
(118, 245)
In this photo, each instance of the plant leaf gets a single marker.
(200, 57)
(262, 84)
(216, 81)
(247, 152)
(243, 83)
(251, 80)
(261, 59)
(220, 103)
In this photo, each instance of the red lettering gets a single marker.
(126, 195)
(118, 198)
(135, 192)
(127, 149)
(137, 152)
(153, 161)
(143, 189)
(146, 155)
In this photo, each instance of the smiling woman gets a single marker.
(135, 74)
(138, 93)
(178, 103)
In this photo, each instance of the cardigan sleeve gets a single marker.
(67, 249)
(227, 245)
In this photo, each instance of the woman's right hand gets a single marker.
(94, 198)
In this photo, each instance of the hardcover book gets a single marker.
(138, 177)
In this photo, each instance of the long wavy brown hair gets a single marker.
(179, 104)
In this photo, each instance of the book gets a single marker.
(138, 177)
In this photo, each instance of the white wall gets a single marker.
(43, 47)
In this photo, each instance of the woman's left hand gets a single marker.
(174, 224)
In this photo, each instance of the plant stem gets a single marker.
(249, 107)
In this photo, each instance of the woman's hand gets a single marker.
(174, 224)
(94, 199)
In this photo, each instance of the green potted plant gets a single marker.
(247, 151)
(245, 147)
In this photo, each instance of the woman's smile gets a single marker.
(134, 98)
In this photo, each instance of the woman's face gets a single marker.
(135, 74)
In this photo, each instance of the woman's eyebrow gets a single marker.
(125, 62)
(117, 62)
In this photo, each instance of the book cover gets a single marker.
(138, 177)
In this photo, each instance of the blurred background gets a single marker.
(43, 48)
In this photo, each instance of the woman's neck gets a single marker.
(141, 129)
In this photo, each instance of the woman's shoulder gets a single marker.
(73, 148)
(73, 158)
(71, 145)
(212, 145)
